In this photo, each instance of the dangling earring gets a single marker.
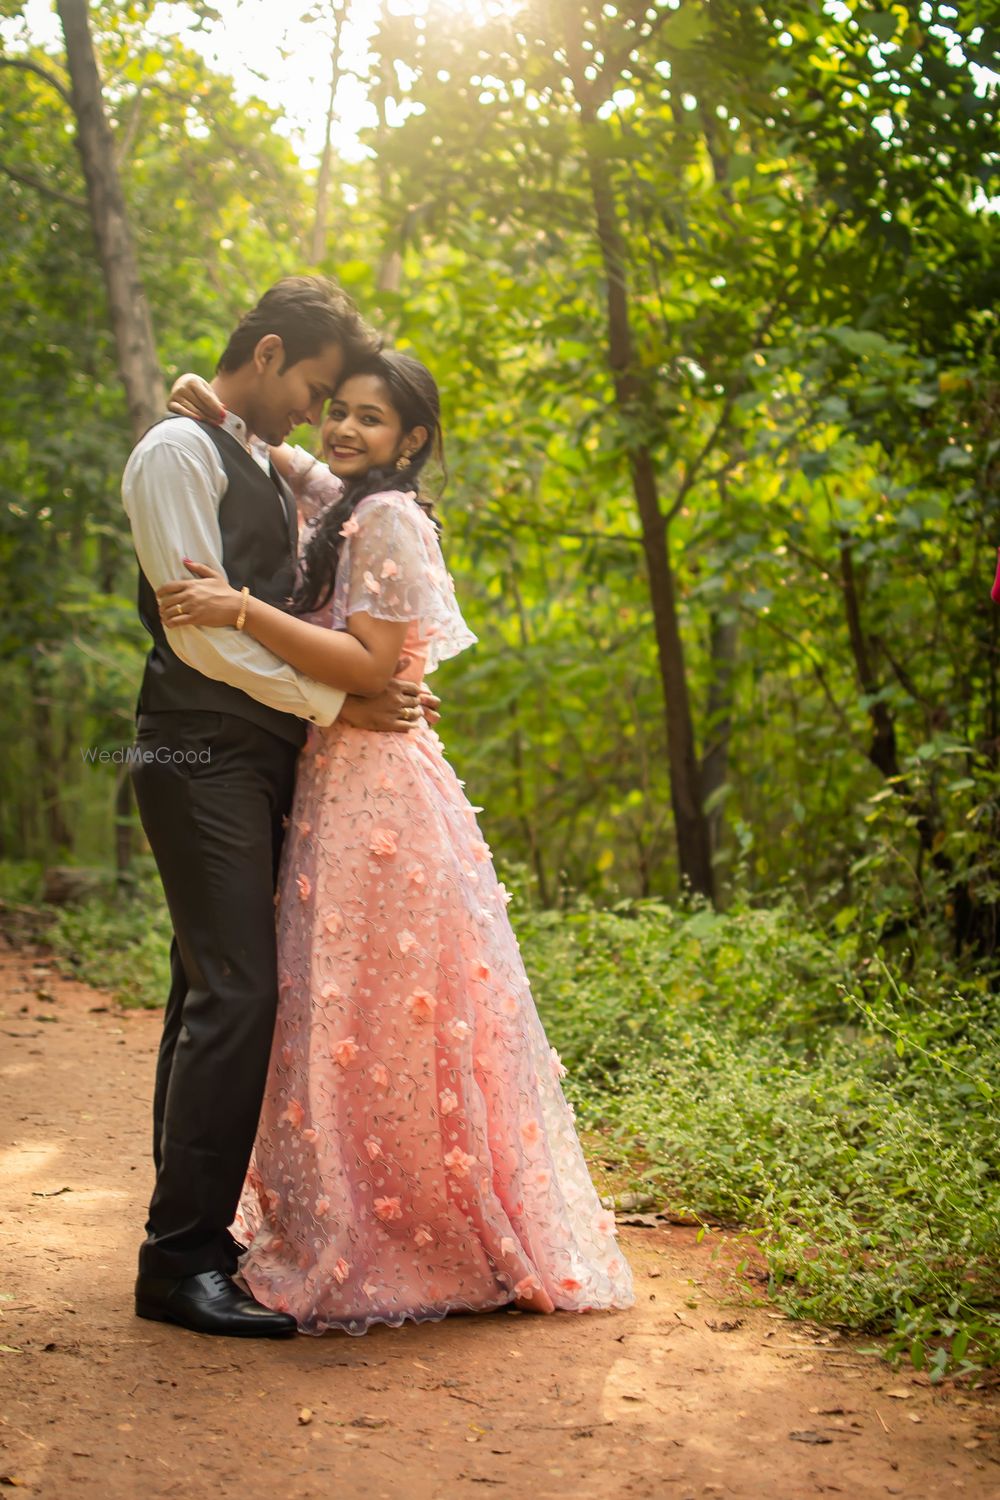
(403, 461)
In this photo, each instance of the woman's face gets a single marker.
(361, 430)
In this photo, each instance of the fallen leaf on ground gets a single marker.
(55, 1194)
(724, 1327)
(369, 1422)
(899, 1395)
(809, 1437)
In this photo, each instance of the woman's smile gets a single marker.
(361, 405)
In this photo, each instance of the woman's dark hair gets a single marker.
(307, 313)
(414, 398)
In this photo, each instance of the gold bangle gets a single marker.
(241, 618)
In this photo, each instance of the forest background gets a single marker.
(710, 291)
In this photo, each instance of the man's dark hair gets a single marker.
(307, 313)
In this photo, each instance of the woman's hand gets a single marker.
(209, 601)
(429, 703)
(190, 396)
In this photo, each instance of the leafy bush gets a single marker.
(119, 946)
(848, 1118)
(20, 880)
(117, 941)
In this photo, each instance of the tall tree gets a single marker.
(332, 15)
(635, 399)
(138, 363)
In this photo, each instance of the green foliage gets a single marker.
(812, 306)
(849, 1119)
(819, 386)
(20, 881)
(219, 202)
(116, 941)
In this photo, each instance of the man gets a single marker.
(219, 727)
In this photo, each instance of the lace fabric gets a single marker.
(392, 569)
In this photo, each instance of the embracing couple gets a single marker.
(356, 1108)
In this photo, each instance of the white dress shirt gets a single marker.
(171, 489)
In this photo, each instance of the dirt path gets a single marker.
(667, 1400)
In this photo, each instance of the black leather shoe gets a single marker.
(209, 1303)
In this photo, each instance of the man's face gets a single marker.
(286, 400)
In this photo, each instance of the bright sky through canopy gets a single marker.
(270, 52)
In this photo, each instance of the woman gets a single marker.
(416, 1155)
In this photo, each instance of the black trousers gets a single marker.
(212, 792)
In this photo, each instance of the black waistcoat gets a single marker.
(259, 537)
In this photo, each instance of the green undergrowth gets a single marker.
(848, 1118)
(117, 940)
(752, 1070)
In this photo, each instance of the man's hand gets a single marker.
(396, 710)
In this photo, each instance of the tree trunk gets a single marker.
(690, 822)
(882, 752)
(138, 365)
(390, 271)
(124, 830)
(528, 820)
(326, 160)
(57, 835)
(719, 719)
(322, 198)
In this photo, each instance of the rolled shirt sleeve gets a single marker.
(171, 490)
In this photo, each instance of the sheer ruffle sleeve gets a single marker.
(391, 568)
(312, 484)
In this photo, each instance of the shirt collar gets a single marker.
(255, 446)
(260, 451)
(236, 427)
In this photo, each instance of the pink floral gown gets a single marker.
(416, 1155)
